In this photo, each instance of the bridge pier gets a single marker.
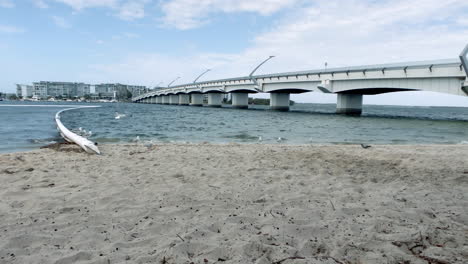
(184, 99)
(158, 99)
(153, 99)
(279, 101)
(349, 104)
(196, 99)
(173, 99)
(215, 99)
(240, 100)
(165, 99)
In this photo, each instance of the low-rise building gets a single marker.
(47, 89)
(44, 89)
(118, 90)
(24, 91)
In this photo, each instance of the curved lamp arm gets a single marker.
(463, 59)
(169, 85)
(203, 73)
(256, 68)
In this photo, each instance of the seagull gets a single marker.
(137, 139)
(118, 116)
(365, 146)
(260, 138)
(279, 139)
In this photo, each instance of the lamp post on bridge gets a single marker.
(203, 73)
(169, 85)
(254, 70)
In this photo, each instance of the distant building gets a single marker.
(118, 90)
(45, 89)
(24, 91)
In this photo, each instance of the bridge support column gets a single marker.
(215, 99)
(349, 104)
(184, 99)
(153, 99)
(165, 99)
(158, 99)
(279, 101)
(173, 99)
(196, 99)
(240, 100)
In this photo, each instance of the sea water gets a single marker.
(25, 125)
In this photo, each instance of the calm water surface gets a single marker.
(28, 127)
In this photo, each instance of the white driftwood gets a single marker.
(69, 136)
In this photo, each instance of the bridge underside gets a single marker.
(243, 91)
(290, 91)
(373, 91)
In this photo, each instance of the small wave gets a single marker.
(243, 137)
(107, 140)
(463, 142)
(45, 141)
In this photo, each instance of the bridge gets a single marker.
(349, 83)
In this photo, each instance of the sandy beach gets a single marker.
(232, 203)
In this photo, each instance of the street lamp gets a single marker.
(256, 68)
(203, 73)
(169, 85)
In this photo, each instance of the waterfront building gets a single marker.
(118, 90)
(24, 91)
(44, 89)
(47, 89)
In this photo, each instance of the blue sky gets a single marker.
(147, 42)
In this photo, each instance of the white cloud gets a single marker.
(125, 10)
(187, 14)
(81, 4)
(125, 35)
(7, 4)
(463, 21)
(61, 22)
(40, 4)
(11, 29)
(132, 10)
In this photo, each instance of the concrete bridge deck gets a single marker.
(349, 83)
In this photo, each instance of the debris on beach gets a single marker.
(64, 147)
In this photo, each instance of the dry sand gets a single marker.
(233, 203)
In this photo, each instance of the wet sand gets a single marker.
(204, 203)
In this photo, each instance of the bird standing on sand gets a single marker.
(365, 146)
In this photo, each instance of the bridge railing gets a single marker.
(461, 62)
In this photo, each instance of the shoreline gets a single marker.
(235, 203)
(186, 143)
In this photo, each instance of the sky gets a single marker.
(151, 42)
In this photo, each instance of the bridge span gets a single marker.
(349, 83)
